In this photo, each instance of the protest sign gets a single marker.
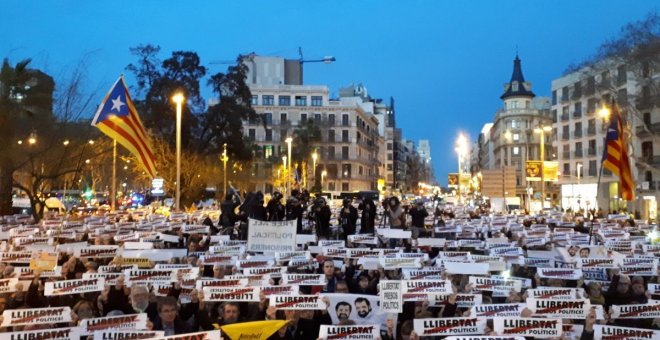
(497, 310)
(643, 311)
(221, 260)
(96, 251)
(129, 261)
(118, 335)
(200, 284)
(449, 326)
(257, 330)
(641, 270)
(149, 275)
(431, 242)
(537, 328)
(240, 294)
(599, 274)
(271, 236)
(391, 298)
(569, 309)
(363, 239)
(332, 243)
(44, 261)
(242, 264)
(16, 257)
(602, 332)
(462, 300)
(394, 233)
(68, 287)
(363, 309)
(287, 256)
(349, 332)
(297, 302)
(591, 262)
(50, 334)
(456, 256)
(121, 322)
(110, 278)
(35, 316)
(427, 286)
(305, 238)
(571, 331)
(564, 274)
(27, 273)
(8, 285)
(278, 290)
(553, 293)
(389, 263)
(155, 255)
(467, 268)
(420, 274)
(653, 288)
(499, 287)
(304, 279)
(273, 271)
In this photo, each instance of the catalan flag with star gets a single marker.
(119, 120)
(615, 156)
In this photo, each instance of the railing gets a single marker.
(564, 117)
(591, 130)
(591, 151)
(577, 113)
(565, 136)
(653, 128)
(578, 153)
(577, 133)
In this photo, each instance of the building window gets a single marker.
(268, 100)
(317, 118)
(567, 169)
(516, 137)
(331, 152)
(516, 151)
(268, 118)
(303, 118)
(301, 101)
(344, 152)
(344, 186)
(389, 157)
(344, 120)
(515, 124)
(285, 100)
(592, 168)
(331, 119)
(317, 101)
(269, 135)
(252, 134)
(360, 170)
(514, 86)
(254, 100)
(514, 104)
(389, 146)
(344, 136)
(331, 136)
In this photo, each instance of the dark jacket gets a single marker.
(180, 326)
(368, 218)
(348, 219)
(418, 215)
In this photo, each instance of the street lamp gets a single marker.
(579, 167)
(286, 172)
(33, 138)
(224, 158)
(542, 130)
(323, 174)
(604, 112)
(315, 156)
(461, 150)
(288, 141)
(178, 99)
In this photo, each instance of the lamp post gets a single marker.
(224, 158)
(542, 130)
(579, 167)
(461, 150)
(288, 141)
(323, 174)
(315, 156)
(284, 169)
(178, 99)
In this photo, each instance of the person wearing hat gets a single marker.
(294, 211)
(348, 217)
(418, 214)
(368, 218)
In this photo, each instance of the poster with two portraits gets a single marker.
(363, 309)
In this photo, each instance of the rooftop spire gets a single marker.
(517, 85)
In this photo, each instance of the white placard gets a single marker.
(68, 287)
(537, 328)
(121, 322)
(115, 334)
(20, 317)
(563, 273)
(467, 268)
(271, 236)
(646, 311)
(297, 302)
(349, 332)
(50, 334)
(427, 286)
(568, 309)
(8, 285)
(449, 326)
(391, 298)
(614, 332)
(304, 279)
(240, 294)
(497, 310)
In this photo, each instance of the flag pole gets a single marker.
(113, 191)
(593, 217)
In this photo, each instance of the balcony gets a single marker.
(592, 172)
(565, 136)
(577, 113)
(578, 153)
(651, 160)
(564, 117)
(577, 133)
(591, 151)
(591, 131)
(645, 129)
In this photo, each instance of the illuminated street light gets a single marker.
(315, 156)
(542, 130)
(323, 174)
(91, 142)
(20, 142)
(461, 151)
(33, 138)
(604, 112)
(66, 142)
(178, 99)
(288, 141)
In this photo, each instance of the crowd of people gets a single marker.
(432, 243)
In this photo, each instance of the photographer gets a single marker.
(418, 214)
(294, 211)
(348, 218)
(320, 215)
(274, 208)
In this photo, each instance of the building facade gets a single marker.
(513, 140)
(576, 100)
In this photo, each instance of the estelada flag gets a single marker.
(615, 156)
(261, 330)
(119, 120)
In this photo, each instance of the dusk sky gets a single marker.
(444, 62)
